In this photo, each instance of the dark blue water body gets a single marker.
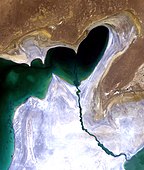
(18, 82)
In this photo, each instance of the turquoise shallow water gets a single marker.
(136, 162)
(18, 82)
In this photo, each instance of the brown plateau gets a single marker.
(66, 21)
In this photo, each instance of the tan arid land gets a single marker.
(52, 22)
(112, 98)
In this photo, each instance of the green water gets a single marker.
(18, 82)
(136, 162)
